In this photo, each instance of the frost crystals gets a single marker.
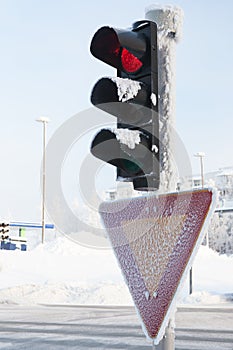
(130, 138)
(147, 295)
(126, 88)
(153, 99)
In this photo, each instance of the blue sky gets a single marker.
(47, 69)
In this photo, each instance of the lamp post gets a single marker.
(201, 155)
(43, 120)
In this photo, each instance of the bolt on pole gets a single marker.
(169, 22)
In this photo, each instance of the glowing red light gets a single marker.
(129, 62)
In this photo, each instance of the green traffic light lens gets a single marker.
(130, 167)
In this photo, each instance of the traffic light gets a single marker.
(4, 230)
(132, 97)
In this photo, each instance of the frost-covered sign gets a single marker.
(155, 239)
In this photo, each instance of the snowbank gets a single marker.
(62, 272)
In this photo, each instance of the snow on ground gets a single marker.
(63, 272)
(212, 279)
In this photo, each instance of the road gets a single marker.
(102, 327)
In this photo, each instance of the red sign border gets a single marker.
(172, 306)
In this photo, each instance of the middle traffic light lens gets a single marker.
(130, 63)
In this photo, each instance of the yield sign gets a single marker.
(155, 239)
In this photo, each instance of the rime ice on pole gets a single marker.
(169, 23)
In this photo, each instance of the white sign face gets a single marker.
(155, 239)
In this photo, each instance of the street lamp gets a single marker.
(43, 120)
(201, 155)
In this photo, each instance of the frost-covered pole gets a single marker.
(169, 23)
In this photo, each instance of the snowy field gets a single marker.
(63, 272)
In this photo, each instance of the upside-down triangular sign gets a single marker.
(155, 239)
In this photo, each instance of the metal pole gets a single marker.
(43, 120)
(168, 341)
(169, 24)
(201, 155)
(191, 281)
(202, 171)
(43, 182)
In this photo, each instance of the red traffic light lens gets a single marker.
(130, 63)
(122, 49)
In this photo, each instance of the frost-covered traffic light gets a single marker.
(132, 97)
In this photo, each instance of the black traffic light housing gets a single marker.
(132, 97)
(4, 228)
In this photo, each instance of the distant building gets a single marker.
(122, 190)
(196, 182)
(221, 179)
(221, 229)
(224, 183)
